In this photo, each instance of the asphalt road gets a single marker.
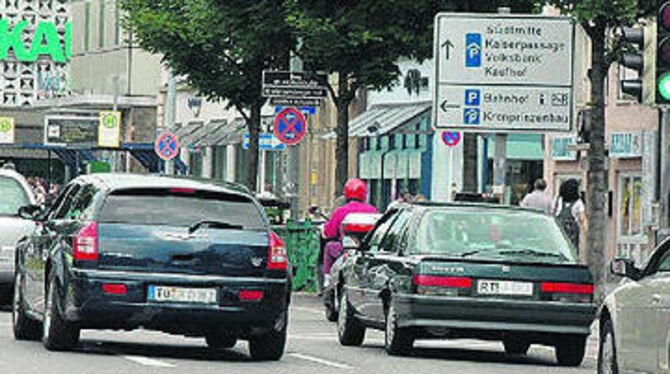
(312, 348)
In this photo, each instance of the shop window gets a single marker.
(101, 24)
(630, 205)
(373, 143)
(391, 142)
(87, 26)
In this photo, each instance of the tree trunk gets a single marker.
(598, 183)
(253, 125)
(469, 162)
(342, 131)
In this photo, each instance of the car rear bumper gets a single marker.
(518, 316)
(6, 272)
(89, 307)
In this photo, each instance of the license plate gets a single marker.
(494, 287)
(182, 295)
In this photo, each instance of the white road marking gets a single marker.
(309, 310)
(320, 361)
(146, 361)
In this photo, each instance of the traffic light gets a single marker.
(643, 61)
(663, 55)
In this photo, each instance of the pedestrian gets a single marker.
(538, 199)
(570, 211)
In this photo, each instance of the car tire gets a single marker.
(57, 333)
(330, 308)
(24, 327)
(570, 351)
(607, 358)
(397, 341)
(350, 332)
(270, 346)
(514, 346)
(218, 341)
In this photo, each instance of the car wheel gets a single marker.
(331, 308)
(397, 341)
(270, 346)
(24, 327)
(350, 332)
(570, 351)
(57, 333)
(515, 346)
(607, 359)
(220, 341)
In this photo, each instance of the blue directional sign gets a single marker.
(473, 50)
(265, 141)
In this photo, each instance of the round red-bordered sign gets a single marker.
(167, 146)
(451, 138)
(290, 126)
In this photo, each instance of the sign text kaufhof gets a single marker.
(503, 73)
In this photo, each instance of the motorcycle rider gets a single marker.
(355, 192)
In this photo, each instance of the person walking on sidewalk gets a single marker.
(538, 199)
(570, 211)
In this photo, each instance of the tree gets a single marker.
(361, 41)
(221, 47)
(601, 19)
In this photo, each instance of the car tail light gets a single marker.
(86, 242)
(567, 292)
(250, 295)
(114, 289)
(358, 227)
(442, 286)
(278, 256)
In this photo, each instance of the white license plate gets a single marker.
(495, 287)
(182, 295)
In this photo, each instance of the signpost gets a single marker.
(294, 88)
(7, 130)
(71, 131)
(290, 126)
(451, 139)
(503, 73)
(267, 141)
(109, 129)
(167, 146)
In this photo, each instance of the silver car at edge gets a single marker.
(635, 317)
(14, 193)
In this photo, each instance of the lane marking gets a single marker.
(320, 361)
(146, 361)
(305, 309)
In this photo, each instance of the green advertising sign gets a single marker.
(45, 42)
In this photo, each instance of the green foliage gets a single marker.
(221, 47)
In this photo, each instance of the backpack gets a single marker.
(569, 224)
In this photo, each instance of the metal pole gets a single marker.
(450, 179)
(664, 161)
(500, 159)
(170, 112)
(294, 155)
(115, 106)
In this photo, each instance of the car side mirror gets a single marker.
(349, 243)
(624, 267)
(30, 212)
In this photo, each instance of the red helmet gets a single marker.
(356, 189)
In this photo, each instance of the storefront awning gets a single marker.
(521, 147)
(383, 118)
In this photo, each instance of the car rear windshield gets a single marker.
(12, 196)
(180, 207)
(493, 234)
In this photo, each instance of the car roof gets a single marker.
(473, 206)
(117, 181)
(9, 173)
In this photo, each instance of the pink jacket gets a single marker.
(332, 227)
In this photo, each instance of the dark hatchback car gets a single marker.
(431, 271)
(129, 251)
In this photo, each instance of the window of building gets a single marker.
(117, 23)
(87, 26)
(630, 205)
(101, 24)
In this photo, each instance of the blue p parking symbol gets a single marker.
(471, 116)
(473, 50)
(472, 97)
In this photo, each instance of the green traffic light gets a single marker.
(664, 86)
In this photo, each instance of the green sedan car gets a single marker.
(435, 271)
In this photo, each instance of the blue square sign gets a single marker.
(472, 97)
(471, 116)
(473, 50)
